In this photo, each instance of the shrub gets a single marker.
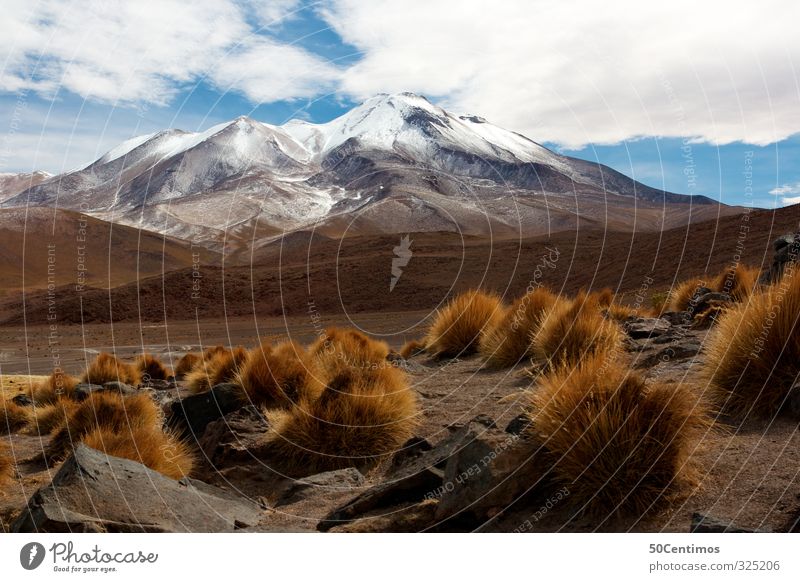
(457, 328)
(49, 417)
(360, 418)
(340, 350)
(411, 348)
(620, 446)
(151, 367)
(658, 303)
(6, 464)
(222, 367)
(604, 297)
(571, 331)
(148, 445)
(14, 418)
(108, 368)
(681, 296)
(105, 410)
(619, 313)
(280, 377)
(58, 384)
(507, 342)
(753, 354)
(739, 282)
(185, 365)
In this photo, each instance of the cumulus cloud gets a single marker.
(580, 72)
(133, 52)
(787, 200)
(786, 189)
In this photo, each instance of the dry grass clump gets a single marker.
(340, 350)
(49, 417)
(108, 368)
(105, 410)
(753, 355)
(280, 376)
(360, 418)
(621, 447)
(148, 445)
(14, 417)
(412, 348)
(739, 282)
(57, 385)
(507, 342)
(681, 296)
(223, 366)
(185, 365)
(604, 297)
(457, 328)
(151, 367)
(6, 464)
(619, 313)
(571, 331)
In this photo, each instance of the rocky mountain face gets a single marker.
(396, 163)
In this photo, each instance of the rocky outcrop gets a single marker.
(787, 251)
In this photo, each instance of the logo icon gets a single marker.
(403, 254)
(31, 555)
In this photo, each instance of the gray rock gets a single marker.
(673, 353)
(93, 492)
(677, 317)
(646, 327)
(320, 484)
(707, 524)
(160, 384)
(22, 400)
(83, 391)
(192, 414)
(787, 250)
(411, 449)
(518, 424)
(701, 302)
(233, 439)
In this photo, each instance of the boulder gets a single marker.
(646, 327)
(192, 414)
(93, 492)
(411, 449)
(319, 484)
(676, 317)
(672, 353)
(231, 440)
(702, 302)
(518, 424)
(787, 250)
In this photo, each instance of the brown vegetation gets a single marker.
(108, 368)
(457, 328)
(753, 355)
(185, 365)
(280, 376)
(341, 350)
(14, 417)
(151, 368)
(58, 384)
(621, 447)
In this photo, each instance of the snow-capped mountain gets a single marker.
(12, 184)
(395, 163)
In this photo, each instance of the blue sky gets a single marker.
(676, 103)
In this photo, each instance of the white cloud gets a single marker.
(787, 200)
(133, 52)
(580, 72)
(786, 189)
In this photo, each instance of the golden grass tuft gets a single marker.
(361, 418)
(185, 365)
(604, 297)
(411, 348)
(619, 313)
(280, 376)
(571, 331)
(15, 417)
(6, 464)
(507, 342)
(49, 417)
(150, 367)
(339, 350)
(108, 368)
(104, 410)
(739, 282)
(753, 354)
(223, 366)
(621, 447)
(681, 296)
(58, 384)
(457, 328)
(148, 445)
